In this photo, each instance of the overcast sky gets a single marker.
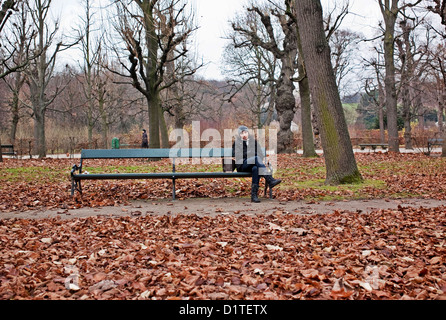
(212, 18)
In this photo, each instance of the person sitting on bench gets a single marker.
(249, 158)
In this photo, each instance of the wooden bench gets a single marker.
(373, 146)
(8, 150)
(77, 173)
(433, 142)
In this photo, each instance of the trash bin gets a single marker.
(115, 143)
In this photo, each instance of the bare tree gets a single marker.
(253, 68)
(287, 54)
(17, 46)
(5, 12)
(437, 66)
(340, 161)
(344, 50)
(15, 57)
(390, 11)
(374, 88)
(140, 24)
(92, 83)
(40, 71)
(439, 8)
(411, 52)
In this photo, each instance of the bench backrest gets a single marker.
(156, 153)
(7, 149)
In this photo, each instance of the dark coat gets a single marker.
(145, 140)
(243, 150)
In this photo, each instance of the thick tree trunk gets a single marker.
(39, 133)
(163, 129)
(154, 127)
(340, 162)
(285, 103)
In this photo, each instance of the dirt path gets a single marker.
(211, 207)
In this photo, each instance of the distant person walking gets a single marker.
(145, 140)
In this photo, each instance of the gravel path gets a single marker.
(212, 206)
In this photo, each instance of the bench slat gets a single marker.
(160, 175)
(435, 141)
(123, 153)
(156, 153)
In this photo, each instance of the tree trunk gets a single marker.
(285, 100)
(406, 117)
(340, 161)
(309, 149)
(90, 125)
(285, 104)
(15, 115)
(391, 98)
(163, 129)
(39, 133)
(390, 15)
(154, 127)
(381, 103)
(41, 70)
(104, 121)
(443, 148)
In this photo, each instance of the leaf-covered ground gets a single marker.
(382, 255)
(385, 254)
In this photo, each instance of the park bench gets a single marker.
(373, 146)
(8, 150)
(77, 173)
(433, 142)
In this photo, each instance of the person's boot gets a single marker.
(254, 191)
(271, 181)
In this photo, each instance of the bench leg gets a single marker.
(266, 190)
(75, 185)
(72, 186)
(173, 189)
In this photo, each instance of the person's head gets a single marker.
(243, 132)
(143, 130)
